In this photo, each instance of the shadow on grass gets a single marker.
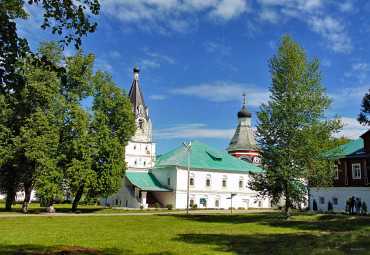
(59, 210)
(300, 222)
(293, 243)
(57, 250)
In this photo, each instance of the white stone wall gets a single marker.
(341, 193)
(216, 192)
(140, 154)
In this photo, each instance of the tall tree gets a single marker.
(292, 129)
(69, 19)
(364, 116)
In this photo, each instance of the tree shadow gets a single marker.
(308, 222)
(291, 243)
(57, 250)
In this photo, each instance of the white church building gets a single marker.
(214, 177)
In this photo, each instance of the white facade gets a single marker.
(215, 186)
(337, 196)
(140, 154)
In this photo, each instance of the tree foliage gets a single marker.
(69, 19)
(50, 141)
(364, 116)
(292, 129)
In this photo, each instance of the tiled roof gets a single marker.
(145, 181)
(203, 156)
(137, 99)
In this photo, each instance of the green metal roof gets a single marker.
(349, 148)
(203, 156)
(145, 181)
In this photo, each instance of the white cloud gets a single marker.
(191, 131)
(348, 96)
(359, 71)
(221, 91)
(229, 9)
(352, 128)
(326, 62)
(157, 97)
(333, 31)
(269, 15)
(148, 63)
(219, 47)
(346, 7)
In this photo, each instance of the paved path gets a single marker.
(160, 212)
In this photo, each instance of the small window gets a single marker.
(144, 163)
(223, 183)
(322, 200)
(135, 162)
(217, 203)
(168, 181)
(191, 181)
(260, 203)
(208, 183)
(134, 147)
(140, 125)
(335, 201)
(356, 171)
(240, 184)
(191, 202)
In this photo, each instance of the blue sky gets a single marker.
(198, 57)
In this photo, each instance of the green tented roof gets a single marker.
(203, 156)
(145, 181)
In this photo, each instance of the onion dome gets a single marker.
(244, 113)
(136, 69)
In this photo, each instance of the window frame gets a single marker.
(354, 165)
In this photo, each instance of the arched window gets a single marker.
(191, 181)
(135, 162)
(241, 183)
(208, 180)
(217, 203)
(224, 181)
(140, 125)
(144, 163)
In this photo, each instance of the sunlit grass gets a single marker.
(181, 234)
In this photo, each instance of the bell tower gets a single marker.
(140, 151)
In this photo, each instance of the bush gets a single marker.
(364, 207)
(241, 208)
(141, 207)
(314, 205)
(330, 206)
(156, 206)
(2, 201)
(231, 208)
(169, 206)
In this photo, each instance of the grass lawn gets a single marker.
(255, 233)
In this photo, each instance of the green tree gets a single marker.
(51, 142)
(69, 19)
(292, 129)
(364, 116)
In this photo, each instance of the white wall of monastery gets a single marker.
(337, 193)
(216, 195)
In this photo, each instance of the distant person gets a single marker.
(358, 205)
(352, 205)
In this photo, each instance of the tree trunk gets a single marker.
(10, 197)
(77, 198)
(28, 187)
(287, 209)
